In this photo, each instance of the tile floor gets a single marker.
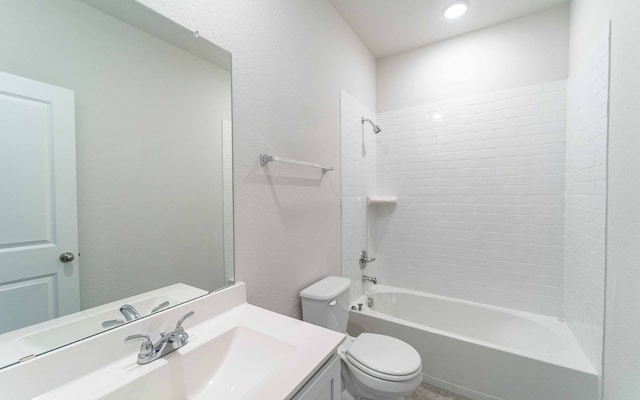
(424, 392)
(430, 392)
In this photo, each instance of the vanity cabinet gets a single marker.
(325, 384)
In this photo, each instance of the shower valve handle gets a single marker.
(364, 259)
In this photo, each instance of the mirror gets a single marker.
(115, 163)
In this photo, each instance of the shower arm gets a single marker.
(376, 128)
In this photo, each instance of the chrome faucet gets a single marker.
(364, 259)
(129, 312)
(371, 279)
(168, 343)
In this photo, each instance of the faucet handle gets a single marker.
(146, 347)
(112, 322)
(181, 320)
(159, 307)
(364, 259)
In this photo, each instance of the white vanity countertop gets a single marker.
(235, 351)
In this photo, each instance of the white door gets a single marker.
(38, 211)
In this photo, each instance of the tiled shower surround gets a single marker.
(499, 201)
(586, 190)
(480, 186)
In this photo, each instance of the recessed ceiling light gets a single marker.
(455, 9)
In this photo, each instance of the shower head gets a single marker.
(376, 128)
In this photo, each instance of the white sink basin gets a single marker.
(228, 366)
(232, 364)
(155, 384)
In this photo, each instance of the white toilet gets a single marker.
(375, 367)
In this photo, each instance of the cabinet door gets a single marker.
(325, 384)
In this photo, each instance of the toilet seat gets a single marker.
(376, 374)
(383, 357)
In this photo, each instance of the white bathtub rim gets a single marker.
(586, 368)
(572, 358)
(380, 288)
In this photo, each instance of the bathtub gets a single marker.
(480, 351)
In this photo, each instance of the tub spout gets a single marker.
(371, 279)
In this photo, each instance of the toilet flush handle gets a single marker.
(333, 302)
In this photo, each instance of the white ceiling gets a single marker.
(392, 26)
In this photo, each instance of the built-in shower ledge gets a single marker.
(377, 199)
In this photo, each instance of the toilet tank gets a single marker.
(326, 303)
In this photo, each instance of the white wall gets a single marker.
(521, 52)
(586, 193)
(622, 313)
(358, 180)
(622, 309)
(148, 185)
(290, 61)
(480, 186)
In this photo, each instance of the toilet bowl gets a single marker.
(375, 367)
(379, 367)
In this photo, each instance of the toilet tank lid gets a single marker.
(327, 288)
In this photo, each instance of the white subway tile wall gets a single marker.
(480, 186)
(358, 180)
(586, 192)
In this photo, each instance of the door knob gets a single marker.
(67, 257)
